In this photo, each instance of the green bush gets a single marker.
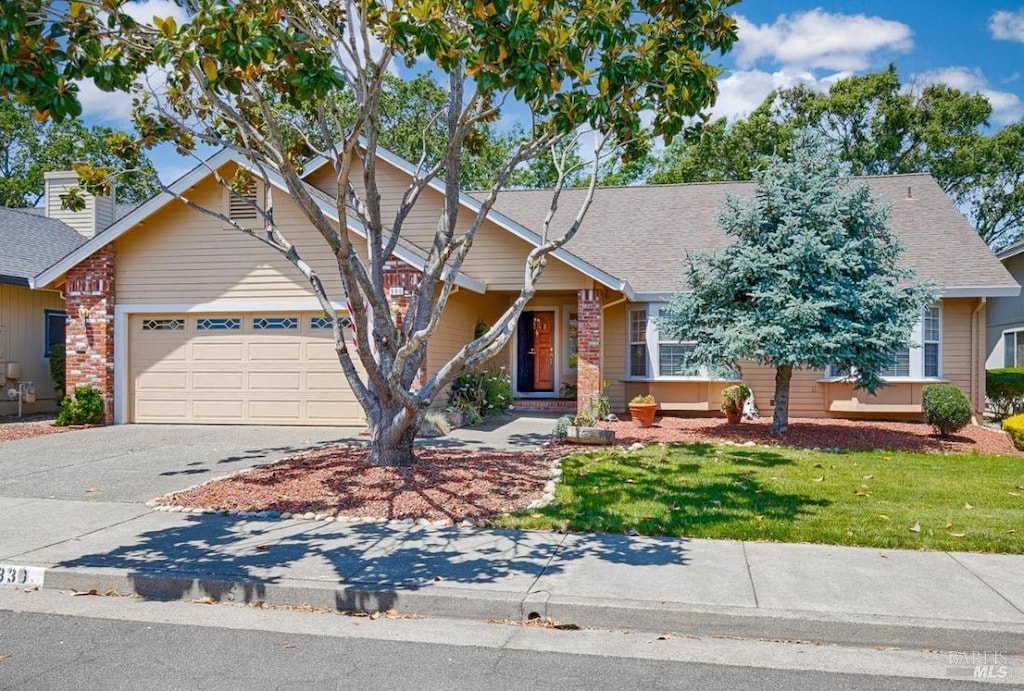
(86, 408)
(946, 408)
(1004, 389)
(1014, 427)
(57, 359)
(482, 392)
(561, 430)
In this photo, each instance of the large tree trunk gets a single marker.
(392, 436)
(780, 420)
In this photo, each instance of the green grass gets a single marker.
(968, 502)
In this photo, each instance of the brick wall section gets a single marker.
(588, 367)
(400, 280)
(90, 342)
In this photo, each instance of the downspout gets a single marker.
(977, 385)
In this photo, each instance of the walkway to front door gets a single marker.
(535, 352)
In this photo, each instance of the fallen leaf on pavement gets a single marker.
(289, 646)
(92, 489)
(3, 657)
(205, 601)
(80, 593)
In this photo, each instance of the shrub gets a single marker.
(1014, 426)
(435, 424)
(1004, 389)
(643, 400)
(86, 408)
(733, 397)
(597, 408)
(482, 392)
(57, 358)
(946, 408)
(561, 430)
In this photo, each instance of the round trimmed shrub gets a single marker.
(85, 408)
(1014, 427)
(946, 408)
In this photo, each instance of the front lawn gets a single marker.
(885, 499)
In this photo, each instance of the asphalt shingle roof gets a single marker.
(643, 234)
(30, 242)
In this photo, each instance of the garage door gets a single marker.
(260, 369)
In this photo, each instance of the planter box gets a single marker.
(590, 435)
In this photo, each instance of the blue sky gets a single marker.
(973, 45)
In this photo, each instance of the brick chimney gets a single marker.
(97, 215)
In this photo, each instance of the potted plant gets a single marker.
(584, 429)
(642, 409)
(733, 398)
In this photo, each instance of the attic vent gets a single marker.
(241, 206)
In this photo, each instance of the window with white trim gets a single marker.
(923, 361)
(674, 358)
(638, 342)
(1013, 349)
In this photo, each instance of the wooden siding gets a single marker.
(810, 396)
(497, 257)
(22, 339)
(97, 214)
(182, 256)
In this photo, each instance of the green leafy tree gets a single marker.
(30, 147)
(876, 126)
(811, 280)
(576, 67)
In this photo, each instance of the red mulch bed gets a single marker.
(811, 433)
(445, 485)
(12, 428)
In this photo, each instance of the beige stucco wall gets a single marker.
(22, 339)
(962, 353)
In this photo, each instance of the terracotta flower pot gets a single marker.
(643, 413)
(733, 416)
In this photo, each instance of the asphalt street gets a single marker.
(56, 640)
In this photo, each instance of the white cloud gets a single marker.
(1006, 107)
(1007, 26)
(819, 39)
(743, 91)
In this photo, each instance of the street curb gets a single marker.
(619, 614)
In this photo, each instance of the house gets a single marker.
(31, 321)
(178, 318)
(1004, 335)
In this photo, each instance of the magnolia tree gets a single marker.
(225, 71)
(812, 280)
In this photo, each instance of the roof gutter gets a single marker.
(15, 280)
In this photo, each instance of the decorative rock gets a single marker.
(423, 521)
(286, 515)
(749, 443)
(151, 503)
(407, 521)
(320, 516)
(636, 446)
(176, 509)
(468, 523)
(329, 519)
(309, 516)
(274, 515)
(442, 523)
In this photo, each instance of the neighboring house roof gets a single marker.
(1011, 250)
(31, 242)
(326, 204)
(644, 233)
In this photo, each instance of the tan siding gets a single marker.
(956, 342)
(497, 257)
(181, 256)
(805, 394)
(613, 354)
(22, 339)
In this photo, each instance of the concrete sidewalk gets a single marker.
(946, 601)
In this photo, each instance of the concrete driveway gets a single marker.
(134, 463)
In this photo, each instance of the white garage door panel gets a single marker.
(237, 376)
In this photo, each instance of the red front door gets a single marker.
(543, 351)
